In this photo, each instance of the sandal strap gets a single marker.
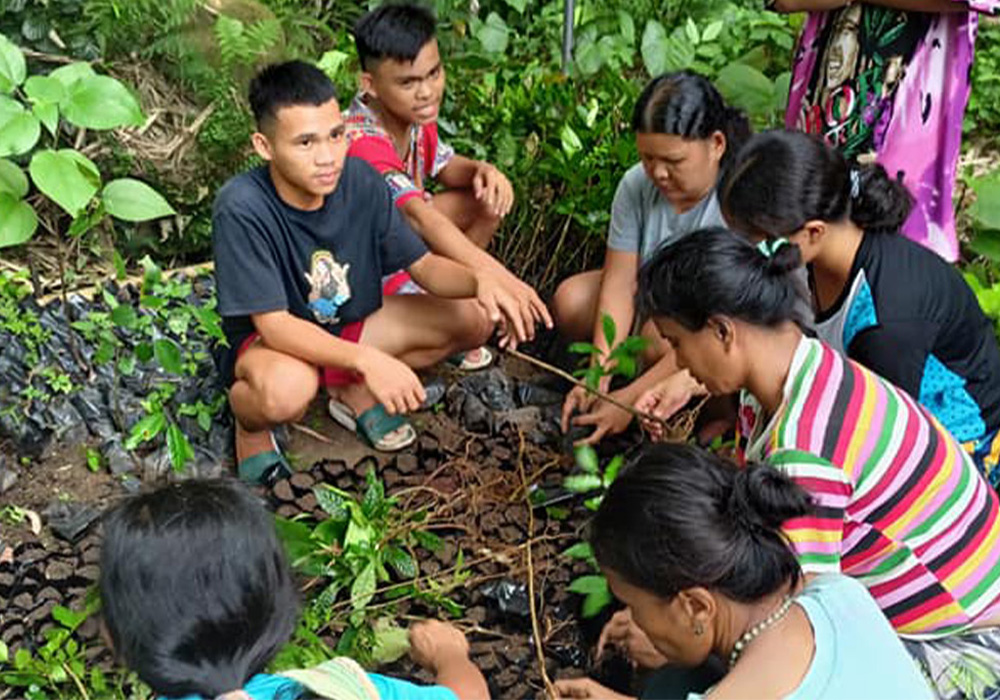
(374, 424)
(264, 468)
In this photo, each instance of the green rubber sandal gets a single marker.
(264, 468)
(374, 426)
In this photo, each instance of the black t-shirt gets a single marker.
(323, 266)
(909, 316)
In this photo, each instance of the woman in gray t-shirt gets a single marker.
(685, 133)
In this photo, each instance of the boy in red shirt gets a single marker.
(392, 124)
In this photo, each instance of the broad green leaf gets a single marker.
(69, 619)
(586, 459)
(401, 562)
(589, 56)
(13, 181)
(581, 348)
(595, 603)
(691, 29)
(45, 88)
(22, 657)
(144, 351)
(168, 354)
(100, 102)
(987, 244)
(17, 220)
(626, 26)
(611, 471)
(582, 483)
(132, 200)
(363, 588)
(493, 34)
(9, 109)
(295, 535)
(331, 63)
(4, 652)
(428, 540)
(678, 51)
(585, 585)
(48, 115)
(358, 532)
(571, 143)
(634, 344)
(747, 88)
(985, 211)
(69, 74)
(178, 446)
(609, 329)
(19, 134)
(60, 178)
(13, 68)
(581, 550)
(392, 642)
(86, 165)
(120, 271)
(712, 31)
(331, 501)
(146, 429)
(124, 315)
(653, 49)
(518, 5)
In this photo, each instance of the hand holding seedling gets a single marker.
(662, 401)
(443, 649)
(622, 632)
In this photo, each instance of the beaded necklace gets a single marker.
(754, 632)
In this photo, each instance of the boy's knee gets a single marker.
(285, 395)
(567, 302)
(474, 326)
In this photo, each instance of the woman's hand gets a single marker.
(584, 688)
(622, 632)
(665, 399)
(605, 417)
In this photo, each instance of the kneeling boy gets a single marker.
(301, 245)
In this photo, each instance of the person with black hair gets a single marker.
(685, 134)
(392, 124)
(301, 245)
(197, 598)
(880, 298)
(693, 546)
(899, 504)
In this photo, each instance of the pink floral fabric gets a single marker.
(894, 84)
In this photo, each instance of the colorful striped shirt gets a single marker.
(899, 504)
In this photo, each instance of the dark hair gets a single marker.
(780, 180)
(714, 272)
(681, 517)
(285, 85)
(195, 588)
(687, 104)
(396, 31)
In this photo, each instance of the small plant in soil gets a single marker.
(622, 360)
(364, 555)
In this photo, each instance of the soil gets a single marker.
(475, 485)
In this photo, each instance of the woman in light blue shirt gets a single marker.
(684, 133)
(693, 545)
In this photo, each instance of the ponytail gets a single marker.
(714, 272)
(682, 517)
(780, 180)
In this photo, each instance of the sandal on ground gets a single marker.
(264, 467)
(473, 360)
(376, 427)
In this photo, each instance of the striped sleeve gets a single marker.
(816, 539)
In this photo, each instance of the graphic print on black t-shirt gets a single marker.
(329, 288)
(854, 81)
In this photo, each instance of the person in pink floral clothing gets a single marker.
(889, 80)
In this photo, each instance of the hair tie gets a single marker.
(855, 183)
(769, 246)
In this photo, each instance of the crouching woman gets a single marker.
(693, 545)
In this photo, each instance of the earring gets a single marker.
(698, 629)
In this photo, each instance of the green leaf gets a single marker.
(13, 68)
(582, 483)
(22, 657)
(609, 329)
(61, 178)
(19, 134)
(45, 88)
(48, 115)
(178, 446)
(747, 88)
(586, 459)
(100, 102)
(985, 211)
(132, 200)
(654, 38)
(634, 344)
(582, 348)
(331, 501)
(517, 5)
(124, 315)
(69, 619)
(69, 74)
(363, 588)
(146, 429)
(595, 603)
(13, 181)
(987, 244)
(571, 143)
(4, 652)
(17, 220)
(358, 533)
(691, 29)
(585, 585)
(428, 540)
(331, 63)
(626, 26)
(712, 31)
(374, 495)
(493, 34)
(611, 472)
(401, 562)
(168, 354)
(581, 550)
(594, 503)
(391, 643)
(93, 459)
(119, 262)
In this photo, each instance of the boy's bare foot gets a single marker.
(249, 443)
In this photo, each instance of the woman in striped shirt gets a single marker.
(900, 504)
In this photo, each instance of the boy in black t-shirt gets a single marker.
(300, 248)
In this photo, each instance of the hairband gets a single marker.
(855, 183)
(769, 246)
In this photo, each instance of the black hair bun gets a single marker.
(764, 498)
(784, 258)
